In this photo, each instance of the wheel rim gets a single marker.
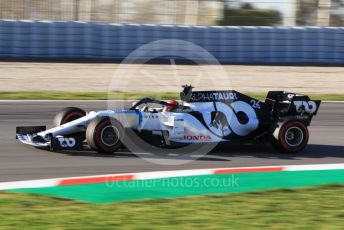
(109, 135)
(71, 117)
(294, 136)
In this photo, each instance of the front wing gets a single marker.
(27, 135)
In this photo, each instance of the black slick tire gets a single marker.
(104, 135)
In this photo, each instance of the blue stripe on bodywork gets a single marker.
(124, 111)
(138, 112)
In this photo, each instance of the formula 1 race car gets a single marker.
(200, 117)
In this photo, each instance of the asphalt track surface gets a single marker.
(22, 162)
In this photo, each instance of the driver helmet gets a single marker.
(171, 105)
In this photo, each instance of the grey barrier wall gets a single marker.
(80, 40)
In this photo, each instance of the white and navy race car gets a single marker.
(199, 117)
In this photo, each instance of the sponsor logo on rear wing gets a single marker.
(306, 106)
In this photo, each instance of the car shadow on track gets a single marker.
(124, 153)
(224, 152)
(127, 154)
(266, 151)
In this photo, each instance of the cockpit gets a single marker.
(155, 106)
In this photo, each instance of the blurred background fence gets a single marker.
(188, 12)
(229, 44)
(234, 31)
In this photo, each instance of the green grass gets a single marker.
(44, 95)
(308, 208)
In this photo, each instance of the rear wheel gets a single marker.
(104, 135)
(291, 137)
(67, 115)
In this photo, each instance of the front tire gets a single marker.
(291, 137)
(67, 115)
(104, 135)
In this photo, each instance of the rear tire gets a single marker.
(292, 137)
(67, 115)
(104, 135)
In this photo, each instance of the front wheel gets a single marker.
(104, 135)
(67, 115)
(291, 137)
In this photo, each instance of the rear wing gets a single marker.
(286, 103)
